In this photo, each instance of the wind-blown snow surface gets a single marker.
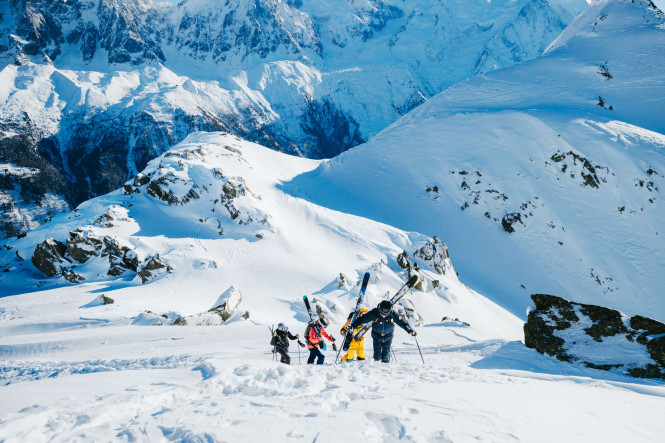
(101, 373)
(543, 178)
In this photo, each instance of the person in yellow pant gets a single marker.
(357, 346)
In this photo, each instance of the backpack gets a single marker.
(307, 330)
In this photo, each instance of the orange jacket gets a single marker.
(314, 337)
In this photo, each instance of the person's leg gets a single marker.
(321, 358)
(312, 355)
(377, 348)
(385, 349)
(285, 356)
(361, 349)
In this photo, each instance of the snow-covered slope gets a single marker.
(211, 208)
(545, 177)
(101, 87)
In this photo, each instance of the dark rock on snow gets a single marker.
(573, 332)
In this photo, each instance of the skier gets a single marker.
(280, 341)
(357, 346)
(382, 318)
(314, 337)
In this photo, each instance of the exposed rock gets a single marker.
(586, 334)
(435, 254)
(342, 281)
(107, 300)
(153, 268)
(403, 260)
(82, 245)
(71, 276)
(322, 311)
(49, 256)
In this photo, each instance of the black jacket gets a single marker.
(280, 339)
(381, 326)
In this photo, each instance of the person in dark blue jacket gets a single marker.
(383, 326)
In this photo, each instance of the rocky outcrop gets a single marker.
(435, 254)
(152, 268)
(432, 254)
(49, 257)
(54, 258)
(182, 178)
(598, 337)
(82, 245)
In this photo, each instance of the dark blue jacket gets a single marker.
(381, 326)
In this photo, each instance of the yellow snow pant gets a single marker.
(356, 346)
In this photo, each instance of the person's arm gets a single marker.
(345, 327)
(365, 318)
(293, 337)
(402, 324)
(325, 334)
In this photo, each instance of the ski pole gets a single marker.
(421, 354)
(393, 352)
(340, 349)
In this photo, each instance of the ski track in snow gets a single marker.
(18, 371)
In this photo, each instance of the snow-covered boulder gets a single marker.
(227, 303)
(595, 336)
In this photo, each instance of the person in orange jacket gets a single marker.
(357, 346)
(314, 337)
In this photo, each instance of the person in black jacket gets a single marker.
(280, 341)
(383, 326)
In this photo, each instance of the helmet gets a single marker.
(385, 307)
(282, 327)
(322, 322)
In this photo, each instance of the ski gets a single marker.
(309, 309)
(349, 334)
(405, 289)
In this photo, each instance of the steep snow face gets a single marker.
(546, 177)
(102, 87)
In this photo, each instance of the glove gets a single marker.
(414, 333)
(302, 345)
(334, 347)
